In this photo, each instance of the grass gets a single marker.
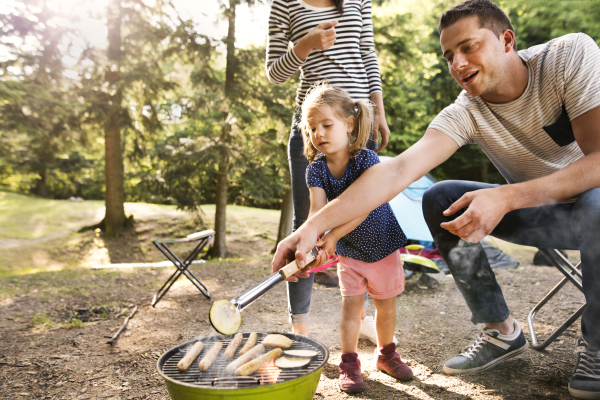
(40, 235)
(29, 217)
(42, 321)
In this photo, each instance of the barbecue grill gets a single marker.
(269, 382)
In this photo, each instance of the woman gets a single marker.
(332, 41)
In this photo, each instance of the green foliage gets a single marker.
(39, 112)
(175, 104)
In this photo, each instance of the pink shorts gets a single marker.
(382, 279)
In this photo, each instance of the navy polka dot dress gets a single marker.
(376, 237)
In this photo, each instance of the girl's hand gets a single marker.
(321, 37)
(327, 244)
(321, 259)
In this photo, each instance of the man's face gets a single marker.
(476, 57)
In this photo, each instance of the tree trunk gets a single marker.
(285, 219)
(41, 188)
(114, 218)
(219, 248)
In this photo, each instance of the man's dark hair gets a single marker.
(489, 14)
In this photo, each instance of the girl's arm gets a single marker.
(369, 57)
(328, 242)
(318, 200)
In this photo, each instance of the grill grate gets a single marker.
(216, 375)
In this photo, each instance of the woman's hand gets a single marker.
(380, 126)
(379, 123)
(321, 37)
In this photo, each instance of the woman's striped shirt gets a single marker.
(351, 63)
(531, 136)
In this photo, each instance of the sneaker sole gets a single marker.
(353, 390)
(580, 394)
(490, 365)
(406, 378)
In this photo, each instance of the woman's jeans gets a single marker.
(299, 293)
(574, 226)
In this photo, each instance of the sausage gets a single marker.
(210, 356)
(255, 364)
(190, 356)
(250, 355)
(249, 343)
(233, 345)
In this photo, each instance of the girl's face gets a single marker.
(329, 134)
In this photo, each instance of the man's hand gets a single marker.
(486, 208)
(380, 126)
(295, 247)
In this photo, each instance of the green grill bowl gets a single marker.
(301, 388)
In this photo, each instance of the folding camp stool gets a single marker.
(572, 274)
(182, 266)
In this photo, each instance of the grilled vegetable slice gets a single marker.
(275, 340)
(300, 353)
(291, 362)
(224, 318)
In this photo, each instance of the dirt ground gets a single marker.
(54, 325)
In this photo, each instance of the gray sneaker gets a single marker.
(490, 349)
(585, 380)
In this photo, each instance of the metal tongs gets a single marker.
(245, 299)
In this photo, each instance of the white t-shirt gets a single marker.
(531, 136)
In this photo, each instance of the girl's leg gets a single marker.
(388, 359)
(385, 320)
(350, 322)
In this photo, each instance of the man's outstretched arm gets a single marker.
(377, 185)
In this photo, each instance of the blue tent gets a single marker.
(408, 209)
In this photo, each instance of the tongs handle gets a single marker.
(293, 267)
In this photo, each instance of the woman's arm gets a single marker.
(282, 62)
(369, 57)
(379, 122)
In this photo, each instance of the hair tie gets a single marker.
(355, 108)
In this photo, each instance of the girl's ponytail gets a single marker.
(362, 127)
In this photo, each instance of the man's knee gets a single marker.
(441, 195)
(586, 213)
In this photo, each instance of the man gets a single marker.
(536, 114)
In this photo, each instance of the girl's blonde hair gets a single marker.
(342, 107)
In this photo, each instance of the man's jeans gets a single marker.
(574, 226)
(299, 293)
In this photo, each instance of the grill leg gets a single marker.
(564, 266)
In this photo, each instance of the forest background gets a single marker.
(164, 114)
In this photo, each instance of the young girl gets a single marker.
(335, 130)
(333, 41)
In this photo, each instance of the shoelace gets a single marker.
(589, 361)
(475, 347)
